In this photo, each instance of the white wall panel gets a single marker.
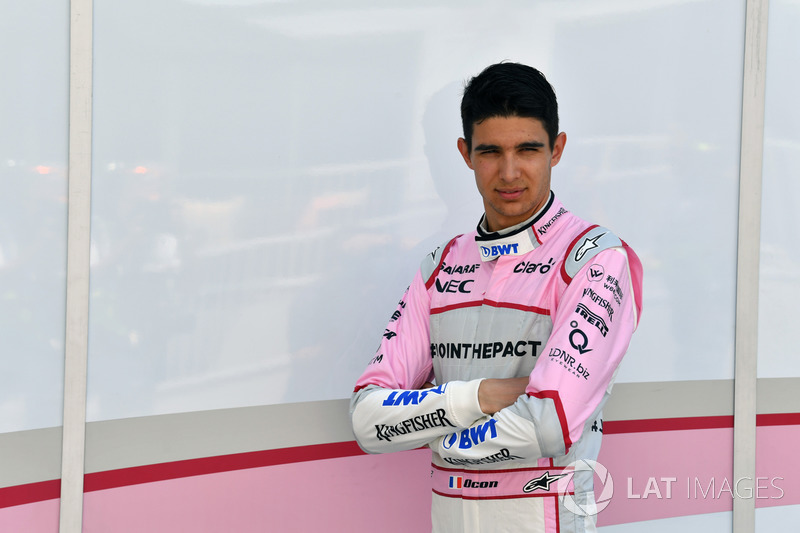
(650, 94)
(770, 519)
(33, 211)
(268, 175)
(686, 524)
(779, 283)
(779, 272)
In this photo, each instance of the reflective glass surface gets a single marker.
(268, 176)
(33, 211)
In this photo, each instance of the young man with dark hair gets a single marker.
(521, 324)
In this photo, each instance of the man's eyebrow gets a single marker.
(531, 144)
(526, 144)
(481, 147)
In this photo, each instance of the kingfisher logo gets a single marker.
(497, 250)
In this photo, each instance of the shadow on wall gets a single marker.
(334, 334)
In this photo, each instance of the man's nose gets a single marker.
(510, 168)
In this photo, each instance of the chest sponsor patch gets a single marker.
(518, 244)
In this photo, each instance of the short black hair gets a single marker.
(508, 90)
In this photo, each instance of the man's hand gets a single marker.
(496, 394)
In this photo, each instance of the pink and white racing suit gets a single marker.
(553, 298)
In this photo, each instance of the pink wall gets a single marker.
(360, 493)
(38, 517)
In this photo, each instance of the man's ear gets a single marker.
(558, 148)
(464, 149)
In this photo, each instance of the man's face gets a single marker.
(512, 160)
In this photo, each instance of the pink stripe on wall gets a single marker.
(364, 493)
(665, 474)
(644, 465)
(29, 493)
(614, 427)
(660, 468)
(38, 517)
(777, 466)
(222, 463)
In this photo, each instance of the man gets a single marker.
(522, 325)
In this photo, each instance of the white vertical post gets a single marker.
(745, 367)
(78, 246)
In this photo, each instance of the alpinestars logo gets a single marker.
(587, 245)
(542, 482)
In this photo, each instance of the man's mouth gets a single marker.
(510, 194)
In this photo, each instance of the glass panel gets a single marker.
(779, 272)
(33, 211)
(268, 176)
(651, 99)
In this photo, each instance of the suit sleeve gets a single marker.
(388, 411)
(592, 327)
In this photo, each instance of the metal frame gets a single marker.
(78, 247)
(749, 250)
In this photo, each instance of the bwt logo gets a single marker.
(412, 397)
(499, 249)
(471, 436)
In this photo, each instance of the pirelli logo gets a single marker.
(592, 319)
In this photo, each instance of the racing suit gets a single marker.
(553, 298)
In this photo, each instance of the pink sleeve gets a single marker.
(592, 329)
(403, 358)
(388, 411)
